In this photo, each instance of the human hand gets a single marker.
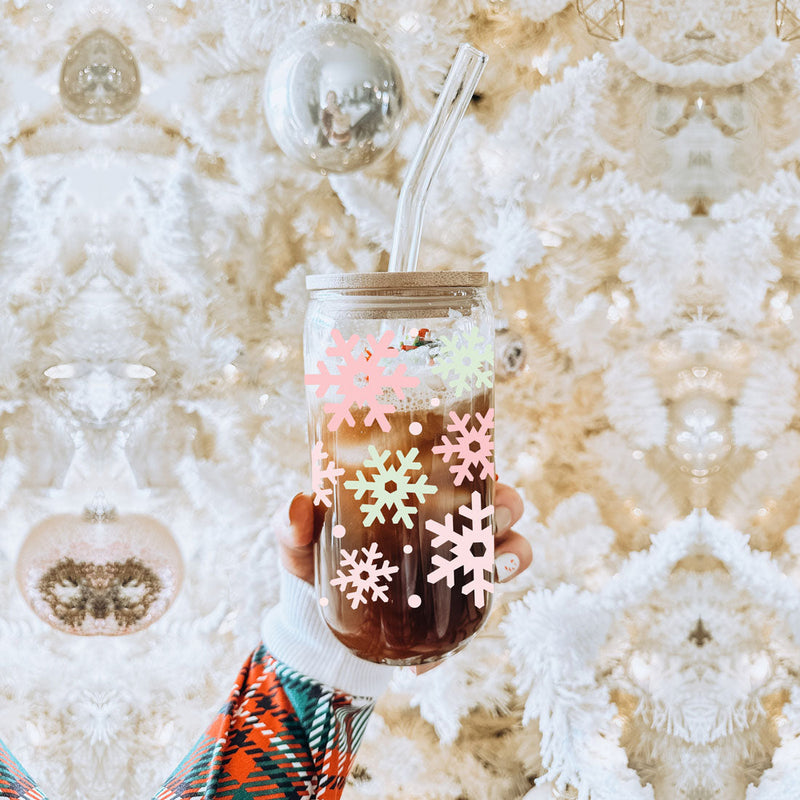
(296, 541)
(513, 552)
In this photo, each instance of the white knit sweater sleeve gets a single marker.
(295, 633)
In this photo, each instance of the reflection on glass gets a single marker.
(334, 122)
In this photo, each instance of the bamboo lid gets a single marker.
(398, 280)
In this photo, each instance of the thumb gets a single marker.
(296, 539)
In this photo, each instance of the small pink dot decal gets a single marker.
(323, 601)
(415, 601)
(338, 531)
(407, 548)
(415, 429)
(435, 402)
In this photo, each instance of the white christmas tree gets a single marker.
(635, 205)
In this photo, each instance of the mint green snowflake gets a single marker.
(390, 486)
(464, 361)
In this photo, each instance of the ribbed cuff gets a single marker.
(295, 633)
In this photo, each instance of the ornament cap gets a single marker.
(344, 11)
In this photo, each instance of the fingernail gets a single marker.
(291, 509)
(506, 566)
(502, 518)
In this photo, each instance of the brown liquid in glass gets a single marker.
(395, 632)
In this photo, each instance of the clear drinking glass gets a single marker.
(399, 375)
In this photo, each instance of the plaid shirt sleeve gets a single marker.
(15, 783)
(280, 736)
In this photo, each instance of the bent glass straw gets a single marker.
(450, 107)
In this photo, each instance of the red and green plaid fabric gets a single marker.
(280, 736)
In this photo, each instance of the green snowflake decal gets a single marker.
(464, 361)
(390, 486)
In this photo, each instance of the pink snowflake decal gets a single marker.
(472, 447)
(475, 535)
(320, 474)
(364, 575)
(360, 380)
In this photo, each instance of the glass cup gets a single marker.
(399, 376)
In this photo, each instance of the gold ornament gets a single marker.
(99, 79)
(787, 21)
(604, 19)
(101, 573)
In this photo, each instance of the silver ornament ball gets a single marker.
(99, 79)
(333, 96)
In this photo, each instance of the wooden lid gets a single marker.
(398, 280)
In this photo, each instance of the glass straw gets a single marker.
(450, 107)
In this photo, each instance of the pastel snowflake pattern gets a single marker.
(364, 575)
(321, 473)
(360, 380)
(472, 447)
(390, 486)
(475, 533)
(464, 361)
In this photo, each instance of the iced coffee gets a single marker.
(399, 383)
